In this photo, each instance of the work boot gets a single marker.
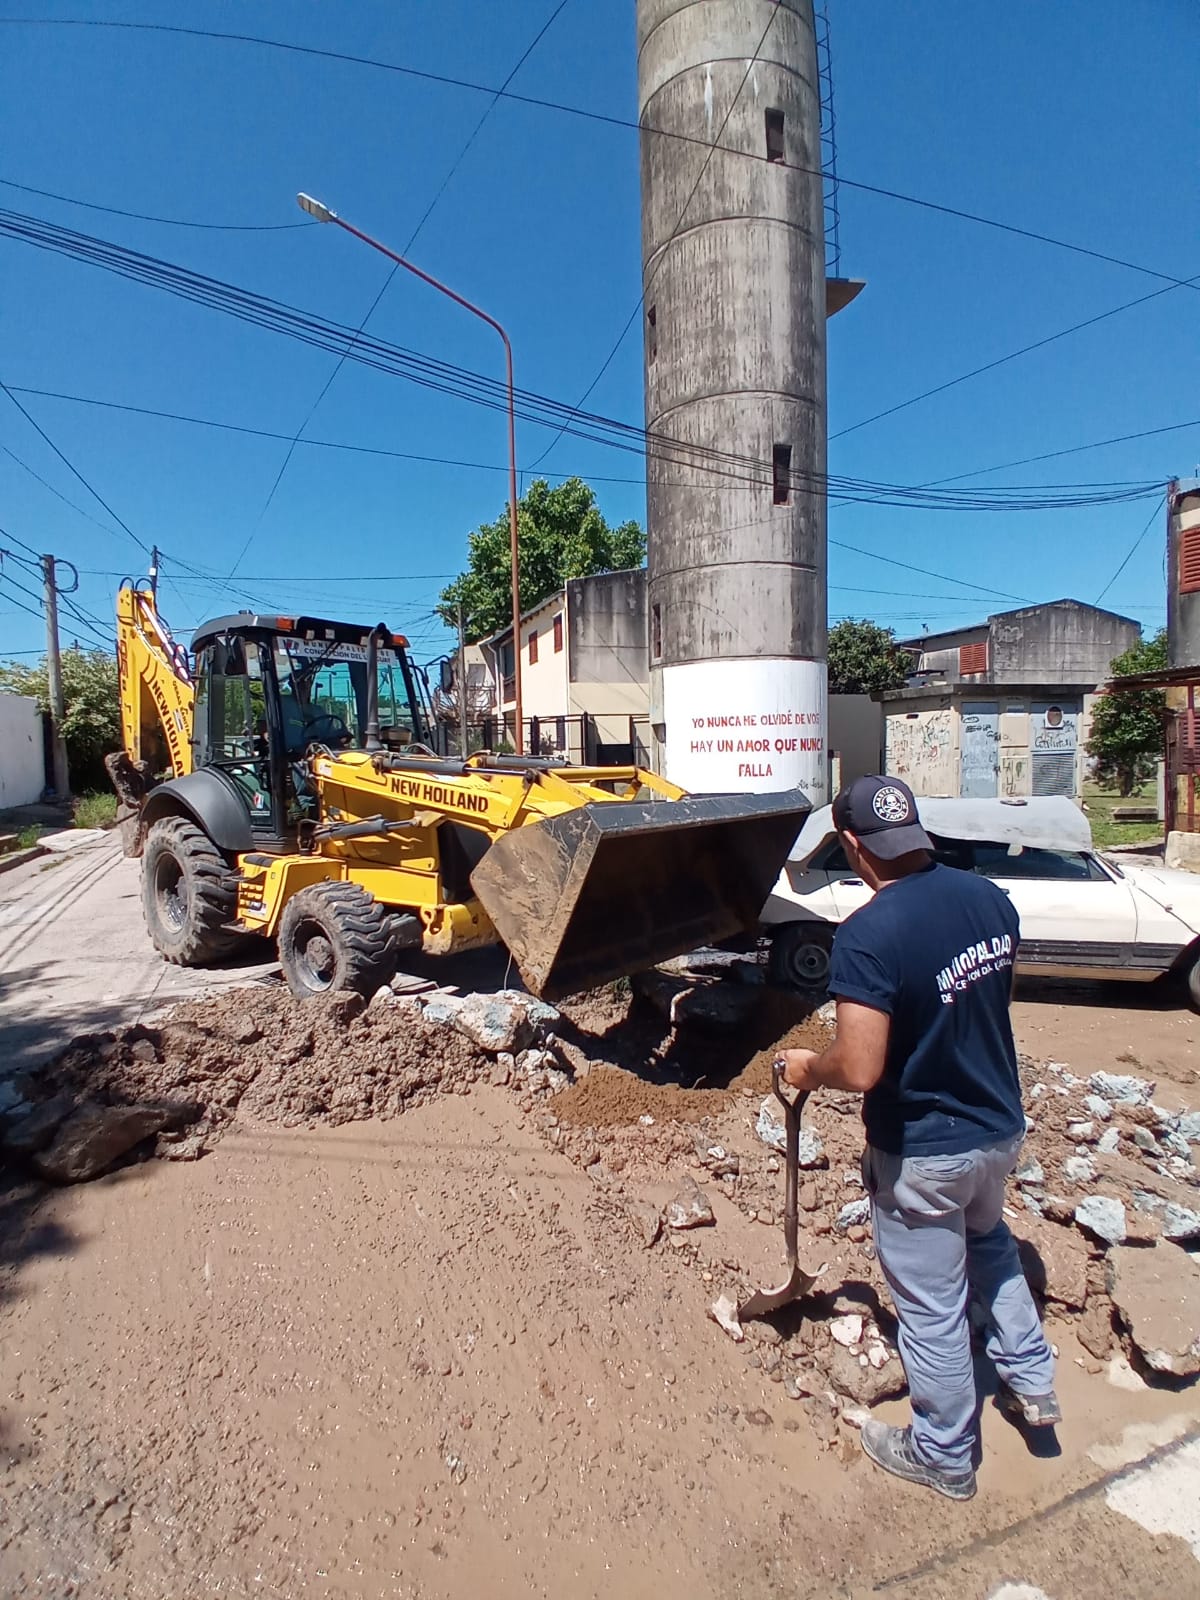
(1036, 1410)
(892, 1449)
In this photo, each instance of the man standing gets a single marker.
(922, 976)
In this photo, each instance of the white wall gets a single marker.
(856, 734)
(22, 767)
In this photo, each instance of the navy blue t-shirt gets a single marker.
(935, 951)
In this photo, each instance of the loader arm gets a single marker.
(585, 873)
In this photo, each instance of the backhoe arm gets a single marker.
(156, 688)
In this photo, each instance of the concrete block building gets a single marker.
(1004, 707)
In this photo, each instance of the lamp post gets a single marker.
(322, 213)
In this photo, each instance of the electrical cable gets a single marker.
(446, 81)
(1132, 550)
(674, 234)
(95, 493)
(542, 410)
(487, 466)
(387, 282)
(170, 222)
(1013, 355)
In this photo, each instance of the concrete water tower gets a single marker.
(734, 319)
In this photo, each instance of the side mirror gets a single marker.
(446, 679)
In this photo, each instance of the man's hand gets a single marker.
(797, 1070)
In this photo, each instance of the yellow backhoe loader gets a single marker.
(279, 782)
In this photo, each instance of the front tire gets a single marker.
(1192, 979)
(188, 894)
(799, 956)
(336, 936)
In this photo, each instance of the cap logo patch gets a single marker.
(889, 805)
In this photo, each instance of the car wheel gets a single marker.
(1192, 976)
(799, 957)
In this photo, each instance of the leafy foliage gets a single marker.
(562, 535)
(92, 726)
(1127, 725)
(865, 659)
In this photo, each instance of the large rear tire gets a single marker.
(188, 894)
(799, 957)
(336, 936)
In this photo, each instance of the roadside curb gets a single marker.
(18, 858)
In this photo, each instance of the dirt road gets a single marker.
(429, 1358)
(74, 955)
(420, 1359)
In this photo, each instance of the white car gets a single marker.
(1083, 914)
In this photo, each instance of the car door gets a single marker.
(1078, 918)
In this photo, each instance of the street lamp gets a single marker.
(322, 213)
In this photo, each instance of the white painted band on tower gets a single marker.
(753, 726)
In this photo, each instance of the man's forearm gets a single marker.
(838, 1068)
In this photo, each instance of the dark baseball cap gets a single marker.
(883, 814)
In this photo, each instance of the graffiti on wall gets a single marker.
(921, 750)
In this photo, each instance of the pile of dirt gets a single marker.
(612, 1097)
(264, 1055)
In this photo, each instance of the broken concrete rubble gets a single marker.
(1157, 1296)
(1102, 1216)
(93, 1137)
(690, 1208)
(1122, 1087)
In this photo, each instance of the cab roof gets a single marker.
(290, 627)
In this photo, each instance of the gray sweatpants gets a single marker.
(941, 1235)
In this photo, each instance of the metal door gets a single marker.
(979, 770)
(1053, 746)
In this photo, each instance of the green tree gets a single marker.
(562, 536)
(92, 726)
(1127, 725)
(865, 658)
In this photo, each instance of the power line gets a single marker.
(1132, 550)
(387, 282)
(488, 466)
(446, 378)
(674, 234)
(170, 222)
(1013, 355)
(95, 493)
(446, 81)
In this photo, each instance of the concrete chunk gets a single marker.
(1157, 1295)
(1122, 1087)
(1102, 1216)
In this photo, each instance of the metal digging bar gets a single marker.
(798, 1282)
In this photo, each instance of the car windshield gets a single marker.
(989, 860)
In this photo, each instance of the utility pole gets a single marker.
(58, 710)
(462, 682)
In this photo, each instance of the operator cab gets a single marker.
(269, 689)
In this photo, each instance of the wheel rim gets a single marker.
(314, 957)
(807, 963)
(170, 893)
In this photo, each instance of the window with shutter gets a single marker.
(1189, 559)
(533, 647)
(972, 658)
(558, 633)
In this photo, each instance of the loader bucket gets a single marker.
(613, 887)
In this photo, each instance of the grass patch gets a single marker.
(95, 810)
(28, 837)
(1100, 805)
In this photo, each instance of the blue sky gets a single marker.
(1072, 118)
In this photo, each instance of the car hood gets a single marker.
(1175, 891)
